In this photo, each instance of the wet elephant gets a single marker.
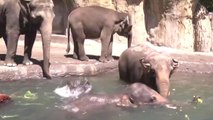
(135, 95)
(26, 17)
(143, 63)
(97, 22)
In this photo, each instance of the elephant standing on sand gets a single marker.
(26, 17)
(93, 22)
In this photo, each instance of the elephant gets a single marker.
(26, 17)
(97, 22)
(4, 98)
(144, 63)
(134, 95)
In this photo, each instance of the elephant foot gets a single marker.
(110, 58)
(10, 64)
(84, 58)
(75, 56)
(27, 62)
(103, 59)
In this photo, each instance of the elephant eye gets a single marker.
(131, 100)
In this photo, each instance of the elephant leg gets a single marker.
(105, 41)
(78, 38)
(109, 55)
(11, 43)
(11, 40)
(12, 33)
(29, 41)
(81, 51)
(75, 55)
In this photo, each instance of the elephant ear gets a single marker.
(174, 64)
(145, 64)
(123, 27)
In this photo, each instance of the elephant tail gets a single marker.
(68, 34)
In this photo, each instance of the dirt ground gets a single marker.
(62, 64)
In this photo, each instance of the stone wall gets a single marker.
(171, 22)
(203, 30)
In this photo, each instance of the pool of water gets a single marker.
(45, 107)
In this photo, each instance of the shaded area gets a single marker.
(96, 57)
(19, 59)
(208, 4)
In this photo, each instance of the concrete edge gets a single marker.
(22, 72)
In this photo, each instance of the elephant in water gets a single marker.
(144, 63)
(26, 17)
(135, 95)
(94, 22)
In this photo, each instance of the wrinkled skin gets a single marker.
(135, 95)
(144, 64)
(97, 22)
(26, 17)
(4, 98)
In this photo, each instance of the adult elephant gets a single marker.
(97, 22)
(26, 17)
(144, 63)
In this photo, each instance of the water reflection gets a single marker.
(47, 106)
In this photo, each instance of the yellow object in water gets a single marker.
(30, 95)
(199, 100)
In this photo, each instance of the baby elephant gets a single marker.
(144, 63)
(94, 22)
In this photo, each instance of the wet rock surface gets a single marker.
(63, 64)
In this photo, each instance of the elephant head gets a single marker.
(140, 93)
(160, 68)
(41, 16)
(124, 28)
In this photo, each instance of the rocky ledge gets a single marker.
(63, 64)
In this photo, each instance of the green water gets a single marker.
(45, 107)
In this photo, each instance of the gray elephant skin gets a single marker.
(135, 95)
(144, 63)
(97, 22)
(26, 17)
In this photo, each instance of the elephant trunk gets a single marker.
(163, 84)
(129, 39)
(46, 31)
